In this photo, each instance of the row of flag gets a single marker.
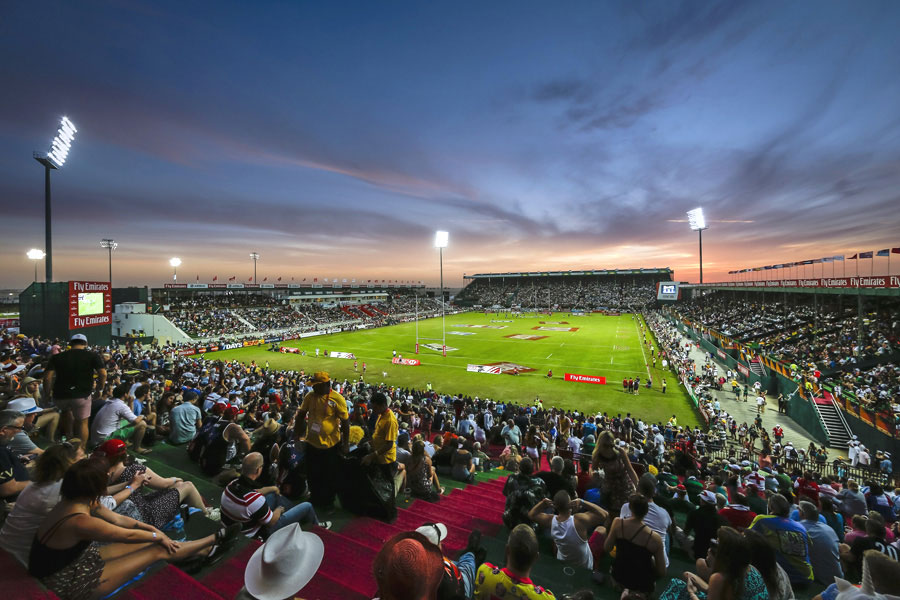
(326, 280)
(827, 259)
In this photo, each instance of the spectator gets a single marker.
(762, 556)
(13, 474)
(522, 490)
(824, 553)
(555, 480)
(513, 582)
(619, 478)
(640, 552)
(511, 434)
(108, 418)
(408, 567)
(788, 538)
(292, 462)
(21, 443)
(253, 508)
(421, 476)
(38, 499)
(874, 540)
(68, 560)
(328, 431)
(185, 419)
(384, 437)
(852, 501)
(69, 382)
(282, 566)
(705, 523)
(458, 580)
(657, 518)
(578, 536)
(834, 519)
(738, 514)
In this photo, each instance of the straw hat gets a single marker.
(284, 564)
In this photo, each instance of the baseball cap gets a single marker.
(319, 377)
(435, 532)
(78, 337)
(110, 448)
(231, 412)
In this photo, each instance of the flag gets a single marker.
(231, 278)
(851, 257)
(215, 277)
(885, 252)
(251, 279)
(816, 261)
(279, 279)
(315, 279)
(304, 279)
(828, 259)
(198, 277)
(865, 254)
(895, 250)
(838, 258)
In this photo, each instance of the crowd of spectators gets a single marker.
(578, 293)
(279, 441)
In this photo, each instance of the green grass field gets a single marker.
(602, 345)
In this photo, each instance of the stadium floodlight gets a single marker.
(697, 221)
(255, 257)
(35, 254)
(175, 262)
(54, 159)
(110, 245)
(441, 239)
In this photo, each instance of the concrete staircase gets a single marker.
(244, 321)
(836, 427)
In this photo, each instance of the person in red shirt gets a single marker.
(808, 488)
(738, 514)
(625, 387)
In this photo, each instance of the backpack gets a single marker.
(197, 446)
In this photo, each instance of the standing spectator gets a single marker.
(522, 490)
(619, 478)
(704, 522)
(384, 438)
(328, 433)
(69, 381)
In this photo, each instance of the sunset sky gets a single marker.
(334, 137)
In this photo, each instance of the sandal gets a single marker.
(144, 451)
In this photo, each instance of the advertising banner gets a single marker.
(232, 345)
(721, 353)
(439, 348)
(877, 281)
(745, 371)
(585, 378)
(90, 304)
(187, 352)
(342, 355)
(410, 362)
(289, 350)
(493, 370)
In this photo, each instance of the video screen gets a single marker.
(90, 303)
(667, 289)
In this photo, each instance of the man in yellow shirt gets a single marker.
(384, 438)
(513, 582)
(328, 434)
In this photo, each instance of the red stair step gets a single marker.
(227, 578)
(16, 577)
(348, 562)
(174, 584)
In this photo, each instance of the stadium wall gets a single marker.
(155, 326)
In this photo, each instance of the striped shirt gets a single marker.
(241, 503)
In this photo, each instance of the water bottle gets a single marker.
(177, 532)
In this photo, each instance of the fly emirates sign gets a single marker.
(90, 304)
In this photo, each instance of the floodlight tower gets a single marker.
(110, 245)
(255, 257)
(35, 254)
(441, 238)
(698, 223)
(175, 261)
(54, 159)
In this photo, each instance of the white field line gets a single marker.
(641, 344)
(549, 355)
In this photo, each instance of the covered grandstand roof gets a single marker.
(657, 271)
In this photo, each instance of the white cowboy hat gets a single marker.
(284, 564)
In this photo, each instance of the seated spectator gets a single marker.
(158, 507)
(555, 480)
(512, 582)
(482, 460)
(835, 520)
(67, 555)
(878, 501)
(738, 514)
(657, 518)
(458, 580)
(185, 420)
(13, 474)
(788, 538)
(462, 466)
(705, 522)
(38, 499)
(21, 444)
(874, 540)
(421, 477)
(762, 556)
(824, 551)
(640, 552)
(578, 536)
(408, 567)
(292, 463)
(282, 566)
(223, 442)
(254, 508)
(522, 490)
(110, 416)
(733, 576)
(583, 479)
(880, 579)
(851, 501)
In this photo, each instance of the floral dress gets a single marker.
(617, 484)
(158, 507)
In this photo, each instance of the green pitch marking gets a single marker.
(585, 352)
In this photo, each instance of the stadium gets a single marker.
(515, 381)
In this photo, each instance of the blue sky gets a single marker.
(335, 137)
